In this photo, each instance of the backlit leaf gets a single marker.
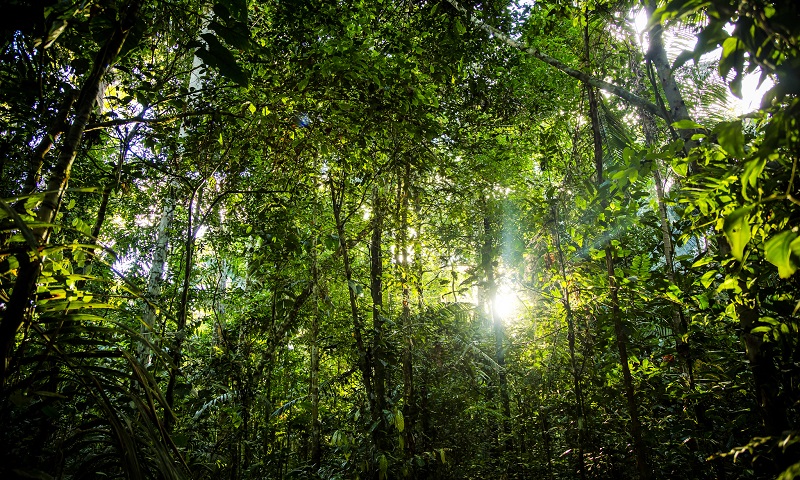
(779, 253)
(737, 231)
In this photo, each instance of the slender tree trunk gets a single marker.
(195, 200)
(123, 155)
(102, 211)
(616, 314)
(679, 324)
(155, 278)
(409, 410)
(546, 444)
(658, 56)
(19, 304)
(580, 417)
(316, 434)
(337, 200)
(40, 152)
(379, 359)
(487, 260)
(760, 356)
(418, 264)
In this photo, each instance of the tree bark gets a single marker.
(616, 314)
(658, 56)
(40, 152)
(766, 376)
(316, 434)
(679, 324)
(195, 201)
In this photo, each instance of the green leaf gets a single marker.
(303, 84)
(399, 421)
(460, 29)
(733, 51)
(680, 166)
(702, 261)
(752, 169)
(24, 228)
(708, 278)
(686, 125)
(731, 138)
(730, 283)
(238, 36)
(383, 465)
(779, 253)
(737, 230)
(219, 56)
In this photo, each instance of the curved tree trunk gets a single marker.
(19, 304)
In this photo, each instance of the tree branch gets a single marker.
(140, 119)
(582, 76)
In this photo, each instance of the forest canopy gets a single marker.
(428, 239)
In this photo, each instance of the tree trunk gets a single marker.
(658, 56)
(155, 278)
(418, 264)
(548, 449)
(195, 200)
(616, 314)
(316, 434)
(19, 304)
(580, 417)
(40, 152)
(409, 410)
(379, 359)
(487, 261)
(679, 324)
(766, 376)
(337, 200)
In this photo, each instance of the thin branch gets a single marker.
(582, 76)
(140, 119)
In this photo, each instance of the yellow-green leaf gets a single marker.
(399, 421)
(460, 27)
(752, 169)
(737, 231)
(779, 253)
(686, 124)
(731, 138)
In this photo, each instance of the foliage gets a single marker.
(387, 240)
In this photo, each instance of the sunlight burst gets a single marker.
(506, 303)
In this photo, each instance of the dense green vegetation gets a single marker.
(399, 239)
